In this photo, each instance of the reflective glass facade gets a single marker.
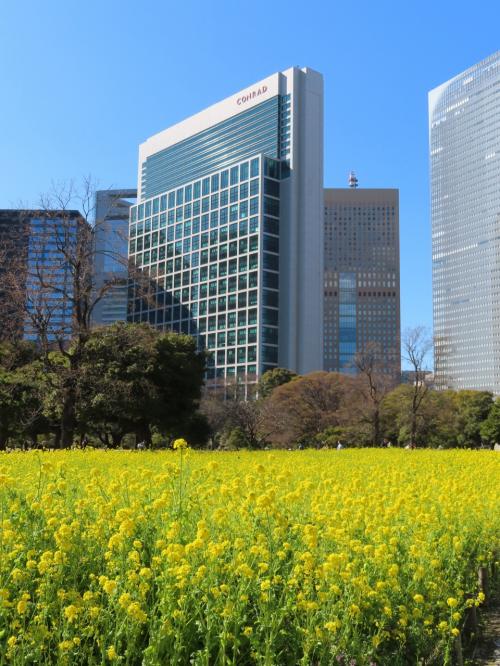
(361, 280)
(262, 129)
(110, 255)
(211, 248)
(49, 280)
(464, 136)
(228, 228)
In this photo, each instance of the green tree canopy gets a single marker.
(490, 428)
(134, 378)
(272, 379)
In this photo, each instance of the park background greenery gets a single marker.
(132, 384)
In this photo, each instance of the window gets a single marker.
(271, 261)
(271, 187)
(270, 298)
(243, 190)
(270, 280)
(271, 206)
(244, 171)
(271, 243)
(270, 316)
(269, 354)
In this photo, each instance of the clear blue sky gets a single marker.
(84, 82)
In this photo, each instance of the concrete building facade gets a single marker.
(229, 225)
(361, 277)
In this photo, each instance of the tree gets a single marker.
(490, 428)
(59, 277)
(20, 399)
(133, 378)
(416, 345)
(272, 379)
(472, 409)
(374, 380)
(237, 416)
(301, 409)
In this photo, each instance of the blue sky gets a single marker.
(83, 83)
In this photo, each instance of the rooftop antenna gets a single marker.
(352, 180)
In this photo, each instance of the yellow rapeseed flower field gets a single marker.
(281, 557)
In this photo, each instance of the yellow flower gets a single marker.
(125, 600)
(135, 611)
(22, 606)
(248, 631)
(110, 586)
(418, 598)
(180, 444)
(333, 625)
(111, 653)
(452, 602)
(71, 612)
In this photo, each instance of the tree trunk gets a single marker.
(68, 415)
(376, 428)
(117, 439)
(413, 434)
(3, 440)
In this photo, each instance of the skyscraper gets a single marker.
(112, 211)
(229, 226)
(36, 282)
(464, 138)
(361, 286)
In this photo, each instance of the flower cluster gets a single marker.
(282, 557)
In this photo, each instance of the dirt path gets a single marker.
(487, 652)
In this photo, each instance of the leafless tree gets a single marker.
(233, 404)
(55, 274)
(416, 344)
(374, 381)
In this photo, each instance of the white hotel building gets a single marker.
(229, 225)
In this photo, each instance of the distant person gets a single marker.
(340, 446)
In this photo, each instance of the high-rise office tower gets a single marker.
(361, 286)
(36, 282)
(464, 138)
(112, 212)
(229, 226)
